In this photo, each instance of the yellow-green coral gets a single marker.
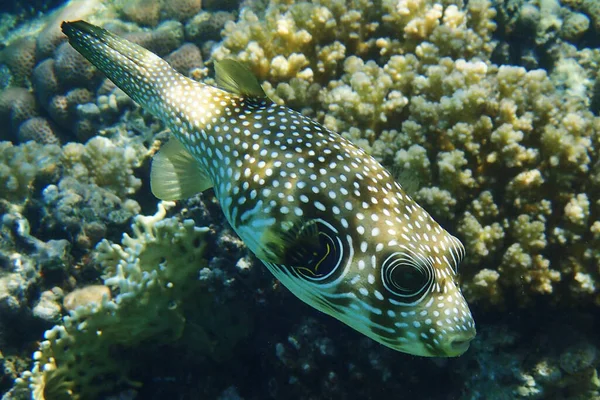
(151, 273)
(159, 298)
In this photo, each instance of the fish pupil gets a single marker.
(408, 279)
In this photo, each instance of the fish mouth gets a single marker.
(459, 344)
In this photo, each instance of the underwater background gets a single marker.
(487, 111)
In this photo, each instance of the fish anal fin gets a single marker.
(175, 174)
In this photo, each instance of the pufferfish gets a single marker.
(327, 219)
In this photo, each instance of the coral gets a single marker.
(142, 12)
(574, 26)
(150, 13)
(22, 108)
(85, 113)
(479, 239)
(167, 37)
(557, 361)
(571, 372)
(51, 36)
(592, 9)
(72, 69)
(153, 272)
(310, 39)
(77, 112)
(112, 100)
(48, 306)
(186, 58)
(85, 296)
(19, 272)
(48, 40)
(94, 191)
(181, 10)
(21, 165)
(24, 258)
(206, 26)
(58, 108)
(83, 211)
(104, 163)
(19, 56)
(79, 96)
(16, 106)
(45, 82)
(78, 192)
(503, 130)
(38, 129)
(502, 155)
(59, 69)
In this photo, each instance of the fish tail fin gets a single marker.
(131, 67)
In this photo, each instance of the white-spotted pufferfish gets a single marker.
(325, 217)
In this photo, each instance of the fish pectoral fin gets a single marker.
(175, 174)
(293, 244)
(236, 78)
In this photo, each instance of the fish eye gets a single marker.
(406, 276)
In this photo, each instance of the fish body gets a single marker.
(326, 219)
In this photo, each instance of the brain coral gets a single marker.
(38, 129)
(143, 12)
(45, 81)
(206, 26)
(181, 10)
(504, 157)
(16, 106)
(167, 37)
(72, 69)
(19, 56)
(185, 58)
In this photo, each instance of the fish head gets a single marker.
(387, 269)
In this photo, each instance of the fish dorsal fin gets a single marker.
(175, 174)
(236, 78)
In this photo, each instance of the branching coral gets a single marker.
(505, 157)
(104, 163)
(151, 274)
(160, 297)
(21, 165)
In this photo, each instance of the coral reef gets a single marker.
(17, 105)
(504, 156)
(150, 13)
(19, 57)
(153, 273)
(186, 58)
(23, 257)
(77, 192)
(21, 165)
(445, 93)
(557, 360)
(63, 93)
